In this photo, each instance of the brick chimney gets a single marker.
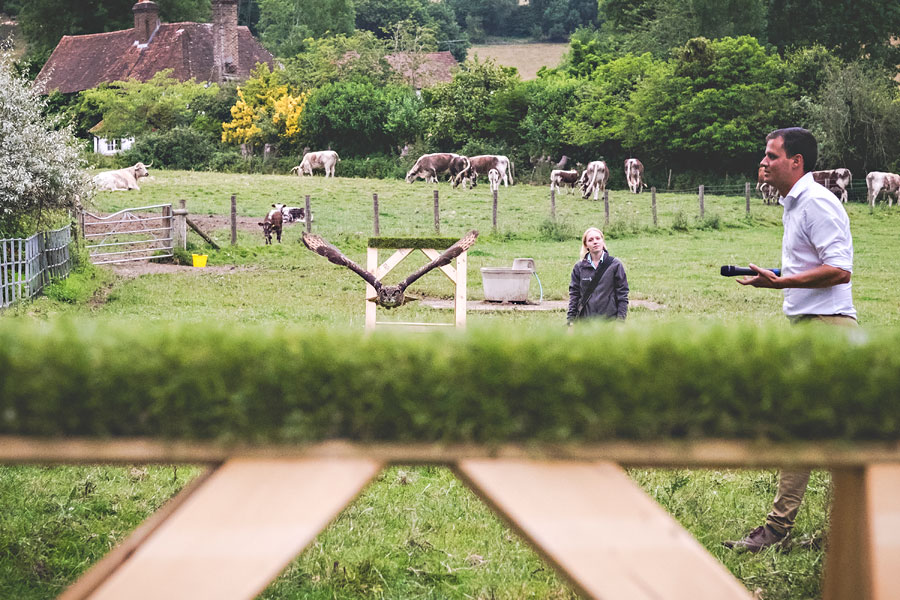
(146, 20)
(225, 38)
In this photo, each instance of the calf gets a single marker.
(295, 214)
(594, 179)
(634, 175)
(767, 190)
(494, 178)
(272, 223)
(567, 178)
(878, 182)
(836, 180)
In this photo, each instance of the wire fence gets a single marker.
(28, 264)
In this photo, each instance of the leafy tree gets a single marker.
(337, 58)
(132, 107)
(285, 25)
(558, 18)
(358, 118)
(44, 22)
(550, 107)
(266, 112)
(378, 15)
(449, 35)
(856, 118)
(710, 106)
(455, 110)
(40, 166)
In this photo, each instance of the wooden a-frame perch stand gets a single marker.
(404, 247)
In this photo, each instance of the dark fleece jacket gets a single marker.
(609, 299)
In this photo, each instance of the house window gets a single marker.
(113, 145)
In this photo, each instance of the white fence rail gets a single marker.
(130, 234)
(27, 265)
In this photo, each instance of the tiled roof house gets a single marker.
(216, 52)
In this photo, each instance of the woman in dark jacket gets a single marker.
(606, 297)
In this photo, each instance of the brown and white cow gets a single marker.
(767, 190)
(429, 166)
(594, 178)
(121, 179)
(568, 178)
(634, 175)
(272, 223)
(295, 214)
(836, 180)
(323, 159)
(889, 183)
(459, 165)
(481, 164)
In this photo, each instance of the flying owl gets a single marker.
(389, 296)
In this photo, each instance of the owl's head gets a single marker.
(390, 296)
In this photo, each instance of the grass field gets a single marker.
(418, 532)
(527, 58)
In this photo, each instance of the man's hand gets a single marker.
(764, 278)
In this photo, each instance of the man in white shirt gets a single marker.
(816, 265)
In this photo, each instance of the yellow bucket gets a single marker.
(199, 259)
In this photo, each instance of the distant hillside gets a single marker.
(527, 58)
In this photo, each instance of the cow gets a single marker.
(836, 180)
(122, 179)
(481, 164)
(272, 223)
(767, 190)
(458, 167)
(634, 175)
(295, 214)
(494, 179)
(878, 182)
(323, 159)
(567, 178)
(429, 166)
(594, 179)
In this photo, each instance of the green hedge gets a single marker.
(391, 243)
(606, 381)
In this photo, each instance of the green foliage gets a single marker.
(338, 58)
(71, 379)
(439, 243)
(378, 16)
(358, 117)
(287, 26)
(179, 148)
(374, 166)
(80, 286)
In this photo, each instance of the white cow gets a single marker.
(567, 178)
(889, 183)
(483, 163)
(594, 178)
(634, 175)
(121, 179)
(494, 178)
(323, 159)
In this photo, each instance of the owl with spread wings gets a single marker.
(388, 296)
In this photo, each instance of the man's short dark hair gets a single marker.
(798, 141)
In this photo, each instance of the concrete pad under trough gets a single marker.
(557, 305)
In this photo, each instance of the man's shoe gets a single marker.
(757, 540)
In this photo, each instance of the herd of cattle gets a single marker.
(499, 169)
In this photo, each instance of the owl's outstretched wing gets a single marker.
(323, 248)
(445, 258)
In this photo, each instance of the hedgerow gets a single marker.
(605, 382)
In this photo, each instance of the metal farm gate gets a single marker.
(27, 265)
(130, 234)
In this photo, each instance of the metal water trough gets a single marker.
(509, 284)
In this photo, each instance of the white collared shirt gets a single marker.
(816, 232)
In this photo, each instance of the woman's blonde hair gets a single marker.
(584, 249)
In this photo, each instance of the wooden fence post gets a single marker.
(375, 210)
(553, 205)
(308, 216)
(653, 204)
(747, 196)
(494, 192)
(233, 219)
(437, 214)
(702, 211)
(606, 208)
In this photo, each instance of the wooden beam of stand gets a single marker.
(201, 234)
(235, 533)
(599, 528)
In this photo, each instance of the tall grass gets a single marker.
(417, 532)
